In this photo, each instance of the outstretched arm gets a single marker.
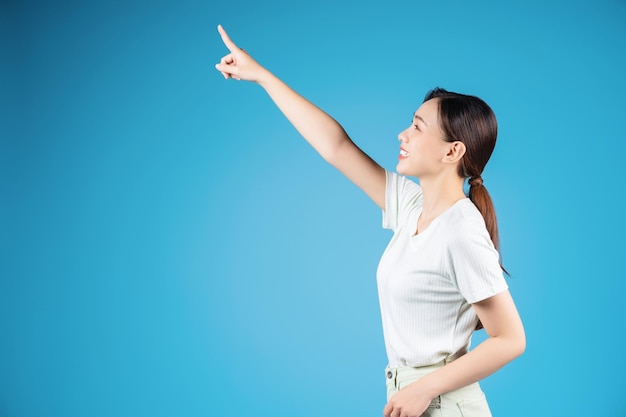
(326, 136)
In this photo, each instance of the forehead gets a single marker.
(429, 111)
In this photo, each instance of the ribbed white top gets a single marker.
(427, 282)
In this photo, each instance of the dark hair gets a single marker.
(470, 120)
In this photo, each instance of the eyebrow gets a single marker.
(416, 117)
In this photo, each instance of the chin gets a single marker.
(402, 170)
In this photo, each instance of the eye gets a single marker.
(416, 127)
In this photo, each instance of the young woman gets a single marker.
(440, 276)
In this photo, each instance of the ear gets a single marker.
(455, 152)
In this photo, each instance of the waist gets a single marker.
(435, 365)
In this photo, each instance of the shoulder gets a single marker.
(402, 197)
(402, 185)
(467, 226)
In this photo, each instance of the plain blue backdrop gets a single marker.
(171, 247)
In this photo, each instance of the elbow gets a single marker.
(512, 345)
(334, 153)
(331, 155)
(518, 345)
(519, 348)
(522, 343)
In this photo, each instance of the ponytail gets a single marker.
(479, 195)
(482, 200)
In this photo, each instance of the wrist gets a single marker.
(427, 386)
(265, 78)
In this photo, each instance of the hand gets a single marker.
(410, 401)
(237, 64)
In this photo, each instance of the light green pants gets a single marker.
(468, 401)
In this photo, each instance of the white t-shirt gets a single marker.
(426, 282)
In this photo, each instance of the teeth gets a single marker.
(403, 152)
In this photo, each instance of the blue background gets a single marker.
(171, 247)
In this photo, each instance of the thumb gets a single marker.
(231, 70)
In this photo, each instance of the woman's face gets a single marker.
(422, 147)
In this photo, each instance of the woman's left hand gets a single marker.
(410, 401)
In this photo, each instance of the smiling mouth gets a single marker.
(404, 153)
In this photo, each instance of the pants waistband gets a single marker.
(392, 372)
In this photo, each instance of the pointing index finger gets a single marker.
(226, 39)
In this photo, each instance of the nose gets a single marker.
(402, 136)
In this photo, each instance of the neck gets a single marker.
(440, 193)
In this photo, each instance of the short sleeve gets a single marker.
(401, 194)
(475, 263)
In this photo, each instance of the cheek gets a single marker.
(421, 149)
(431, 145)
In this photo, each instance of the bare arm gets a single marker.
(506, 342)
(326, 136)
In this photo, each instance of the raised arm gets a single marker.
(326, 136)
